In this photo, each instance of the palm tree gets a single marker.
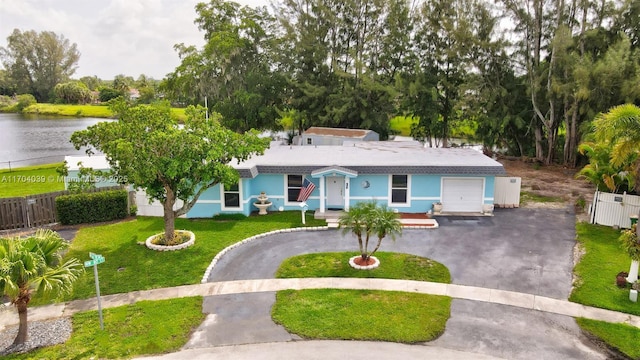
(385, 222)
(367, 218)
(31, 266)
(620, 128)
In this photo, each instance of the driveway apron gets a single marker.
(523, 250)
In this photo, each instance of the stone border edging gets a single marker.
(215, 260)
(353, 264)
(184, 245)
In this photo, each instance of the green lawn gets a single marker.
(97, 111)
(604, 258)
(130, 266)
(401, 125)
(30, 180)
(146, 327)
(363, 314)
(596, 273)
(392, 266)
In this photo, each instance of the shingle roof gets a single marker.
(371, 157)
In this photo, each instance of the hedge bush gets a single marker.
(92, 207)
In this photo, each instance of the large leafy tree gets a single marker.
(234, 70)
(171, 161)
(36, 62)
(33, 266)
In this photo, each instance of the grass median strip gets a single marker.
(363, 314)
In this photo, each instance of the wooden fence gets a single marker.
(33, 210)
(614, 209)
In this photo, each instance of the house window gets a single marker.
(294, 184)
(232, 196)
(399, 189)
(309, 141)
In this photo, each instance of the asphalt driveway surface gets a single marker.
(523, 250)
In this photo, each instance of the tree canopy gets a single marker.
(37, 62)
(151, 150)
(527, 77)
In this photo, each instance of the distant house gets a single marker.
(134, 94)
(336, 136)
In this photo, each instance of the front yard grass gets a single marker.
(363, 314)
(392, 266)
(130, 266)
(146, 327)
(595, 286)
(30, 180)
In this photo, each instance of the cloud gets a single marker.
(129, 37)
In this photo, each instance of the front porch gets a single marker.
(408, 220)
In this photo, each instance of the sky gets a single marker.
(129, 37)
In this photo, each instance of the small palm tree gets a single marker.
(385, 223)
(31, 266)
(366, 219)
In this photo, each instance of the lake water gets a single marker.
(31, 140)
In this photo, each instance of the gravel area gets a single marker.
(41, 333)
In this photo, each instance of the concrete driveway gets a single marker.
(524, 250)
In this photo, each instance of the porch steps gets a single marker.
(332, 223)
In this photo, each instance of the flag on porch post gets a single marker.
(306, 190)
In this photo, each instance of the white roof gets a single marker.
(369, 153)
(96, 162)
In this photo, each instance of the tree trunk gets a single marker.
(21, 304)
(169, 215)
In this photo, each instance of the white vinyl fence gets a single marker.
(614, 209)
(153, 209)
(507, 192)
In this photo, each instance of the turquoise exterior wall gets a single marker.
(424, 191)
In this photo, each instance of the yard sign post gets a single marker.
(95, 260)
(304, 207)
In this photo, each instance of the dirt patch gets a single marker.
(549, 180)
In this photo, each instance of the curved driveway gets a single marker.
(523, 250)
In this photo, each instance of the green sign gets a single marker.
(95, 260)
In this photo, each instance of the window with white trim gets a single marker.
(231, 196)
(309, 141)
(399, 189)
(294, 184)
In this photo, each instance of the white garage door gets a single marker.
(462, 195)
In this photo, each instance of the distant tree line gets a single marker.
(527, 76)
(42, 64)
(524, 76)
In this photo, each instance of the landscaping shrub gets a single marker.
(92, 207)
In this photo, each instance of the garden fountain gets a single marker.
(262, 204)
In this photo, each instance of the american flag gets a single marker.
(306, 190)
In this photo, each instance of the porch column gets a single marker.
(347, 191)
(322, 194)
